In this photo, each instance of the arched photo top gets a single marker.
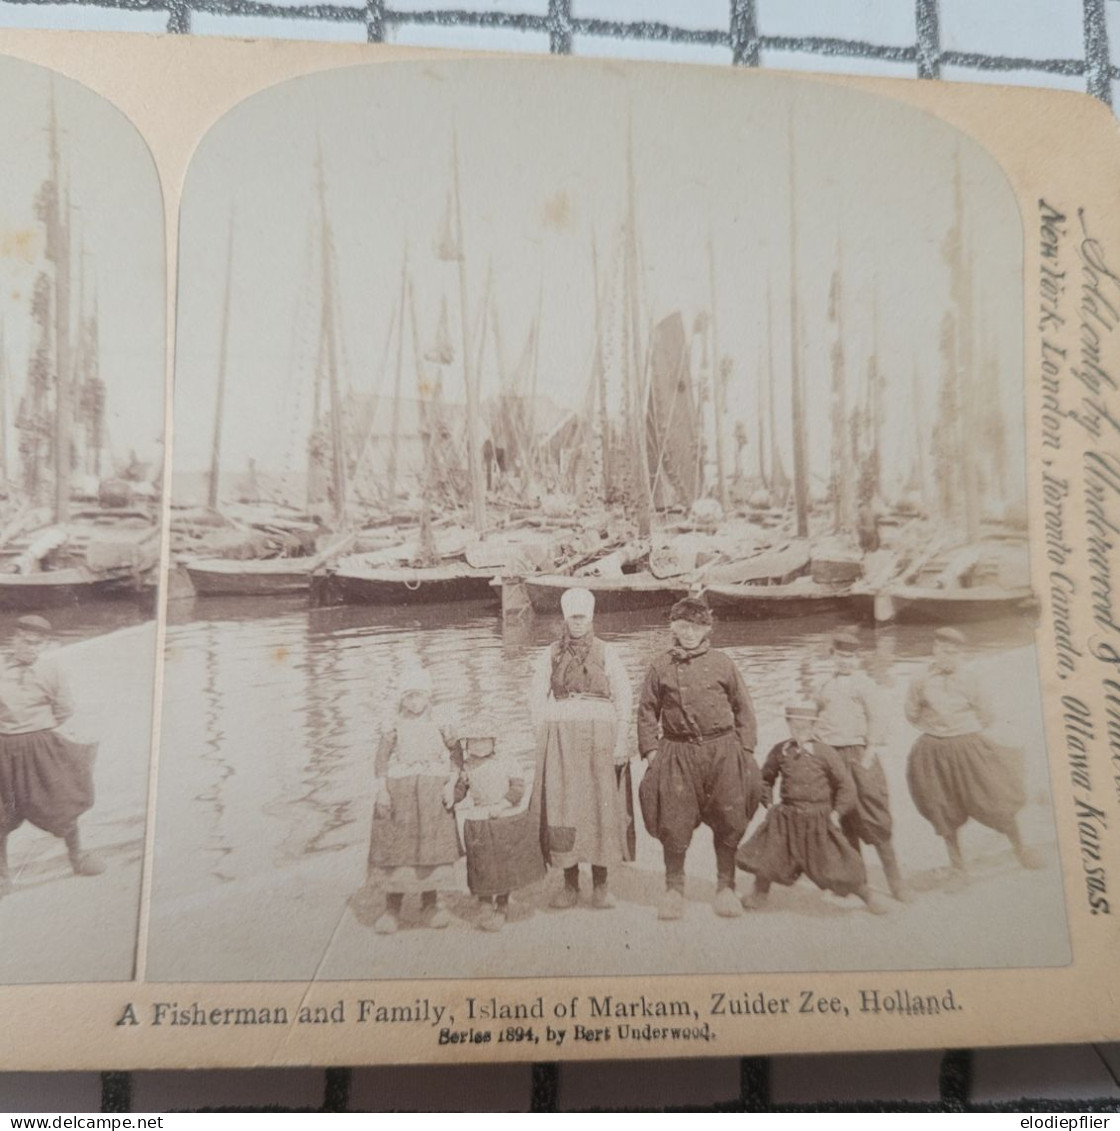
(83, 346)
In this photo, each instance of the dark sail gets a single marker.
(671, 428)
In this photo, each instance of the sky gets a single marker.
(117, 221)
(543, 154)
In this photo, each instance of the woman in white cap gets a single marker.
(414, 841)
(45, 779)
(955, 771)
(580, 704)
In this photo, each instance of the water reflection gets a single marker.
(272, 714)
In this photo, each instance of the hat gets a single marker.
(414, 677)
(950, 636)
(479, 726)
(691, 609)
(38, 625)
(802, 711)
(577, 603)
(845, 642)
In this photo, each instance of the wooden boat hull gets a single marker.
(436, 585)
(270, 578)
(775, 602)
(612, 594)
(917, 605)
(21, 593)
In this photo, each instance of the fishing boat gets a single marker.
(622, 594)
(803, 598)
(957, 604)
(357, 582)
(260, 577)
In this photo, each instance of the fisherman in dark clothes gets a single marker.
(850, 720)
(955, 771)
(799, 836)
(45, 779)
(697, 733)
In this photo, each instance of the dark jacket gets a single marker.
(694, 696)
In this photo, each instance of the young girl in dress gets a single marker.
(798, 836)
(502, 841)
(414, 844)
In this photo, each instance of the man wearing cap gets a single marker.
(955, 771)
(697, 733)
(850, 721)
(580, 706)
(44, 778)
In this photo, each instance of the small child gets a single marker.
(501, 835)
(414, 843)
(851, 721)
(798, 836)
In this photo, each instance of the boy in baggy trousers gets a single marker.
(799, 836)
(850, 721)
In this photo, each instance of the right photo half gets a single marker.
(599, 537)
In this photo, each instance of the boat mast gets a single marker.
(223, 355)
(642, 479)
(800, 448)
(474, 438)
(328, 329)
(394, 436)
(718, 408)
(58, 250)
(601, 374)
(765, 383)
(841, 478)
(3, 409)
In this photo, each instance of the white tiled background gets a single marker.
(1071, 44)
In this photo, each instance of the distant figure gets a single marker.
(851, 721)
(799, 836)
(701, 768)
(501, 832)
(867, 519)
(955, 771)
(580, 705)
(414, 842)
(45, 779)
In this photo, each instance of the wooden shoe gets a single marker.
(434, 918)
(88, 864)
(386, 924)
(602, 899)
(563, 898)
(727, 905)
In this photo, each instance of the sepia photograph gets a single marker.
(599, 537)
(82, 343)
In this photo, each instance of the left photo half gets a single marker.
(82, 387)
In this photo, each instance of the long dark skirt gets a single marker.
(45, 779)
(420, 831)
(799, 840)
(954, 779)
(503, 853)
(870, 821)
